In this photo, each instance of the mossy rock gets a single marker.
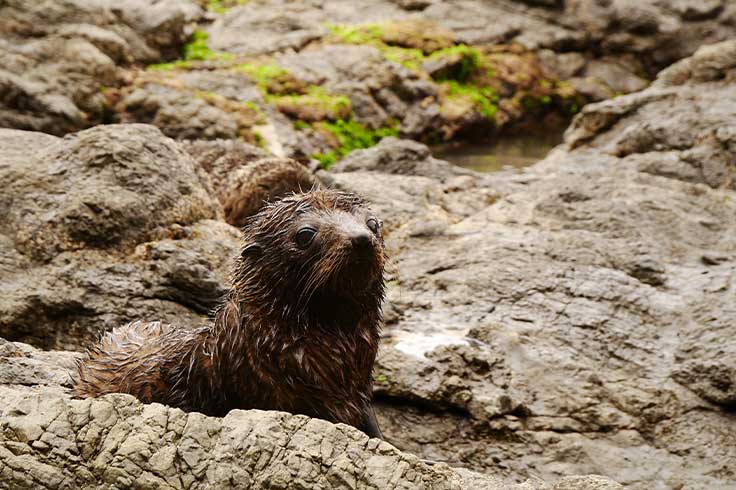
(420, 34)
(346, 135)
(273, 79)
(315, 105)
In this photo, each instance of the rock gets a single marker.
(105, 226)
(192, 107)
(27, 368)
(619, 79)
(417, 33)
(221, 157)
(58, 60)
(655, 133)
(583, 312)
(114, 440)
(281, 25)
(400, 157)
(338, 67)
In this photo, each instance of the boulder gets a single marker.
(103, 227)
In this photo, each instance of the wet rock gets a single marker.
(35, 442)
(338, 68)
(417, 33)
(618, 78)
(221, 157)
(177, 114)
(193, 106)
(585, 311)
(100, 228)
(401, 157)
(656, 133)
(282, 25)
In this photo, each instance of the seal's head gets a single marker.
(312, 255)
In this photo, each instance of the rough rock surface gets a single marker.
(574, 318)
(583, 322)
(50, 441)
(111, 224)
(660, 32)
(58, 58)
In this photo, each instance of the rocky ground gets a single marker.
(576, 318)
(316, 79)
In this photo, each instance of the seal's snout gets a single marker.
(362, 241)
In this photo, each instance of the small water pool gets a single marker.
(506, 152)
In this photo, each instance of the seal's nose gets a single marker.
(361, 240)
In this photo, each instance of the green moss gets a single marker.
(382, 378)
(198, 50)
(216, 7)
(260, 140)
(267, 76)
(300, 125)
(195, 50)
(408, 57)
(534, 103)
(171, 66)
(252, 105)
(371, 34)
(352, 135)
(326, 160)
(359, 34)
(470, 61)
(483, 98)
(316, 103)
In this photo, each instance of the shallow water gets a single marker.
(506, 152)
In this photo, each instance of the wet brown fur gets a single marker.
(298, 332)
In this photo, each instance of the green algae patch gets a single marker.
(173, 65)
(407, 42)
(315, 105)
(460, 62)
(197, 49)
(356, 34)
(481, 99)
(416, 34)
(272, 79)
(407, 57)
(351, 135)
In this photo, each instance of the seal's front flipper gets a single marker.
(370, 424)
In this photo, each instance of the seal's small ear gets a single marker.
(251, 249)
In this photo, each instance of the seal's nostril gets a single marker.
(362, 240)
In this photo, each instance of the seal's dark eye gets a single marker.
(373, 224)
(305, 236)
